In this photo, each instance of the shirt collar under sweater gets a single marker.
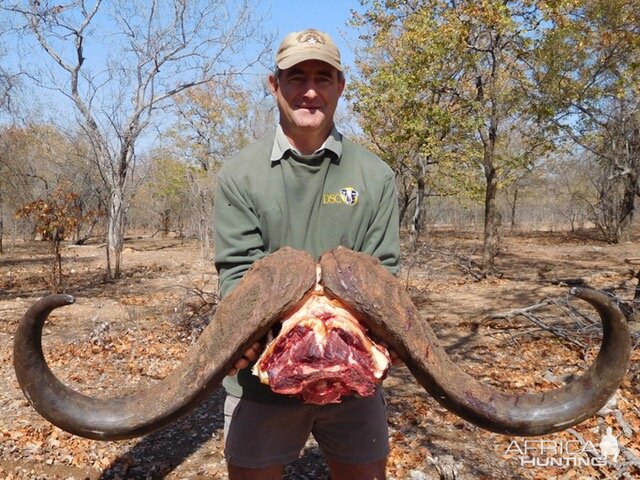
(281, 146)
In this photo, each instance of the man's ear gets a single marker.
(342, 84)
(273, 84)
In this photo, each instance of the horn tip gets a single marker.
(59, 300)
(578, 291)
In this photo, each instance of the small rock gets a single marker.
(418, 475)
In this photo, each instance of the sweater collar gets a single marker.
(282, 147)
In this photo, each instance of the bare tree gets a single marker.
(119, 63)
(618, 156)
(7, 84)
(214, 121)
(8, 78)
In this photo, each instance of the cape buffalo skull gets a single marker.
(273, 287)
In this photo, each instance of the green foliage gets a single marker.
(168, 190)
(169, 178)
(436, 62)
(588, 82)
(436, 77)
(590, 57)
(449, 91)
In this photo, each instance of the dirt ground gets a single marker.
(120, 336)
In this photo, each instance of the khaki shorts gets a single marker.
(259, 435)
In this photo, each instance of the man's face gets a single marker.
(307, 95)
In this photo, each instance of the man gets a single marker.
(309, 188)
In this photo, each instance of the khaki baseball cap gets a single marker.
(307, 44)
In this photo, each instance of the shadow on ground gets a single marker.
(159, 454)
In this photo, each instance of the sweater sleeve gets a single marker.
(238, 236)
(383, 235)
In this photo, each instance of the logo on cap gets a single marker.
(308, 44)
(311, 38)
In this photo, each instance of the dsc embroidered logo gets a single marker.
(347, 196)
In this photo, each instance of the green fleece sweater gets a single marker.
(268, 197)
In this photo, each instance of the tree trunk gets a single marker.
(115, 234)
(56, 267)
(631, 179)
(490, 241)
(165, 222)
(203, 226)
(405, 197)
(420, 175)
(1, 222)
(627, 207)
(418, 214)
(205, 241)
(514, 205)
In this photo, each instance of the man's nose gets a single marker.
(310, 90)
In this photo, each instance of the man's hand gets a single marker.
(250, 354)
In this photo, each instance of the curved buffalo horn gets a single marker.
(379, 299)
(270, 288)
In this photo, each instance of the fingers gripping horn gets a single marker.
(272, 286)
(381, 301)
